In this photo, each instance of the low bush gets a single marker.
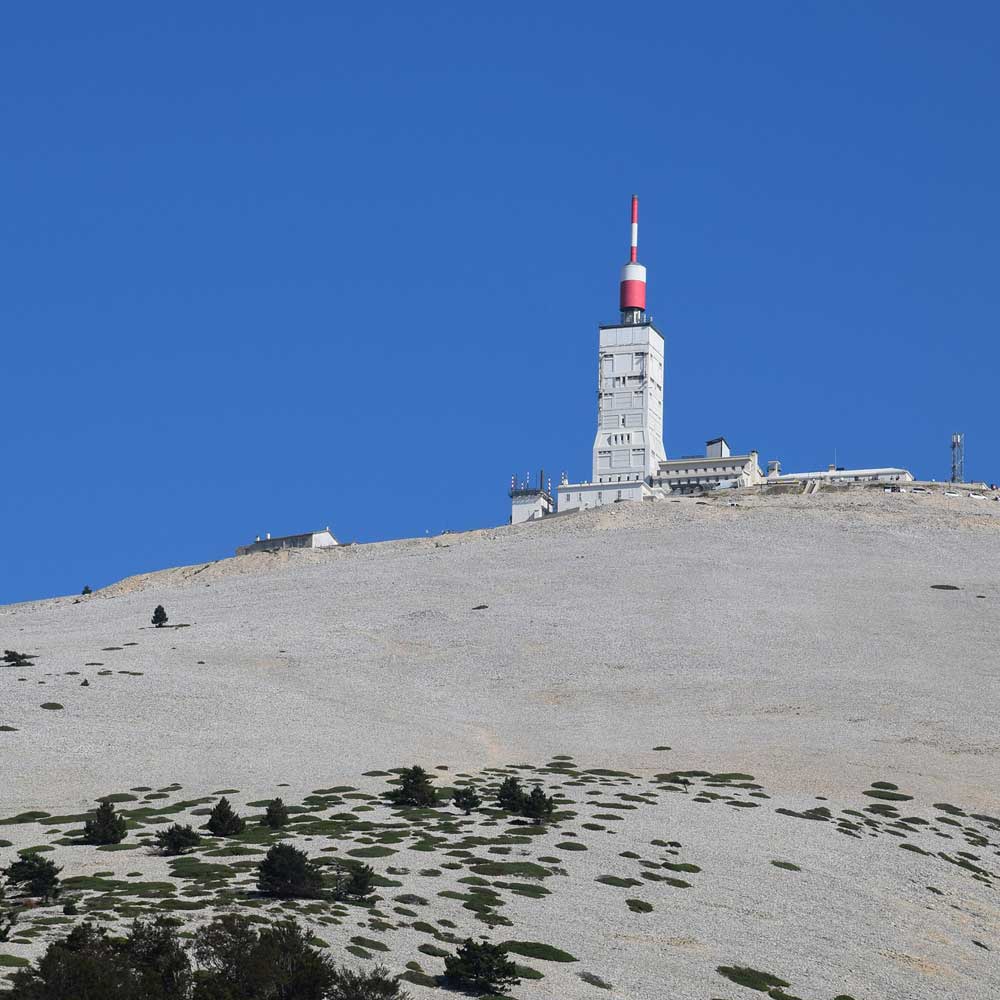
(177, 839)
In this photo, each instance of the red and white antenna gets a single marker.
(632, 299)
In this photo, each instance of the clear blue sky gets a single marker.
(270, 267)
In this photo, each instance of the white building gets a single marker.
(835, 475)
(718, 467)
(309, 540)
(530, 503)
(628, 446)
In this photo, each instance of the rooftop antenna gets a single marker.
(958, 458)
(632, 297)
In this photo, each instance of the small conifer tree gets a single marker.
(538, 806)
(414, 789)
(287, 872)
(177, 839)
(466, 799)
(105, 826)
(86, 590)
(276, 815)
(38, 876)
(355, 882)
(510, 796)
(224, 821)
(159, 616)
(480, 967)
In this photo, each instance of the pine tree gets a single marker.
(36, 875)
(177, 839)
(414, 789)
(482, 968)
(354, 882)
(538, 806)
(86, 590)
(510, 796)
(159, 616)
(224, 822)
(105, 827)
(287, 872)
(276, 815)
(465, 798)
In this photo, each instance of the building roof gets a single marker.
(695, 460)
(840, 474)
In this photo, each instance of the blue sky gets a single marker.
(271, 267)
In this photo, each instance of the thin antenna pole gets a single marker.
(634, 255)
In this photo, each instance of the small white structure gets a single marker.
(718, 468)
(309, 540)
(835, 475)
(530, 503)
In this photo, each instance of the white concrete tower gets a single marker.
(628, 447)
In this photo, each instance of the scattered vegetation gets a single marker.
(12, 658)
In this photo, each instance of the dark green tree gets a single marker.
(376, 984)
(86, 590)
(510, 796)
(224, 821)
(287, 872)
(177, 839)
(481, 967)
(7, 921)
(414, 789)
(538, 806)
(466, 799)
(354, 881)
(105, 826)
(276, 815)
(159, 616)
(274, 963)
(35, 875)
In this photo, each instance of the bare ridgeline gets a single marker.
(767, 720)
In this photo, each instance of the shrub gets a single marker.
(374, 985)
(286, 872)
(36, 875)
(466, 799)
(482, 967)
(159, 616)
(274, 963)
(224, 822)
(71, 909)
(276, 815)
(354, 882)
(538, 806)
(414, 788)
(149, 964)
(510, 796)
(86, 590)
(106, 826)
(177, 839)
(12, 658)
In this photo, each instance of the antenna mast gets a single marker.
(958, 458)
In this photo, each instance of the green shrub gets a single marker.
(414, 789)
(177, 839)
(35, 875)
(466, 799)
(374, 985)
(481, 967)
(159, 618)
(86, 590)
(354, 882)
(105, 827)
(224, 822)
(276, 815)
(287, 873)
